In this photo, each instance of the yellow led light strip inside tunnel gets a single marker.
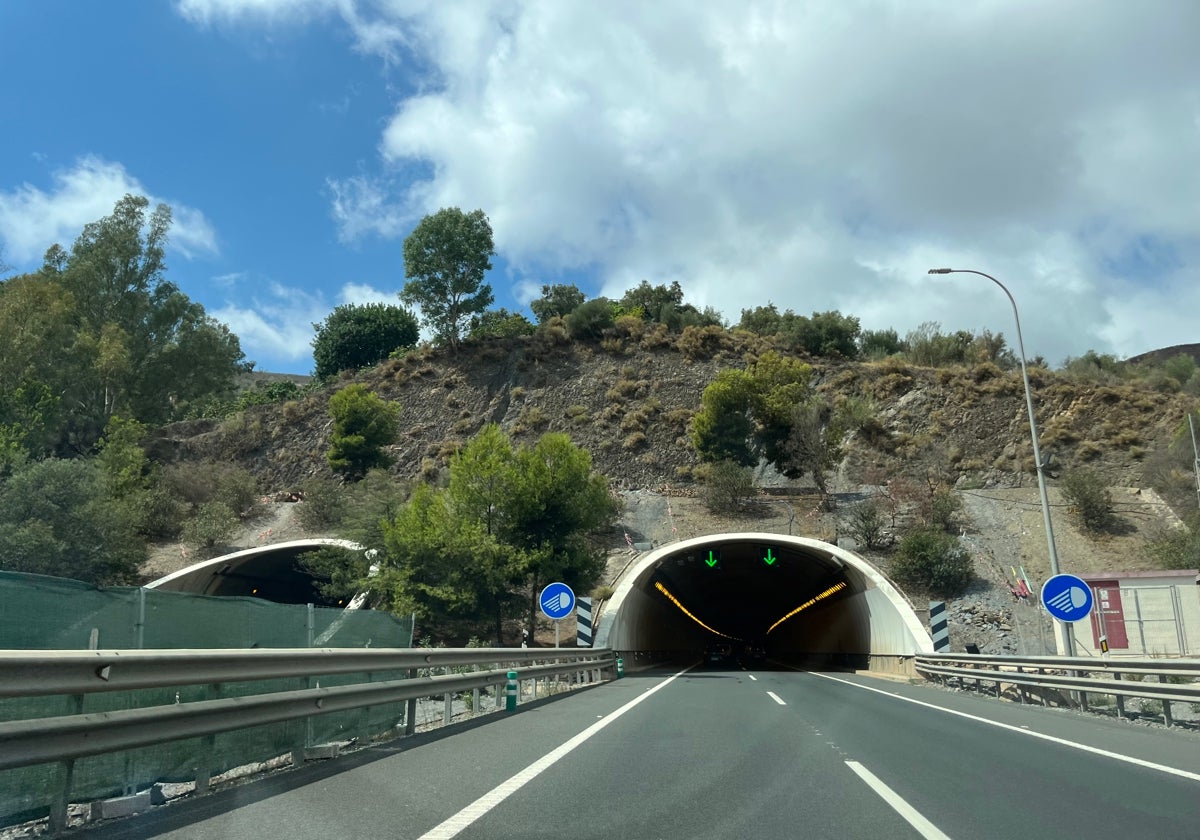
(658, 585)
(837, 587)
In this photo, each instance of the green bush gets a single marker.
(1090, 496)
(212, 526)
(591, 319)
(866, 523)
(160, 513)
(933, 561)
(324, 504)
(363, 424)
(727, 486)
(1177, 548)
(354, 336)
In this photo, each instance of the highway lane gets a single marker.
(731, 753)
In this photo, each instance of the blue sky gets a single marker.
(817, 155)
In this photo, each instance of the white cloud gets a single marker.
(33, 219)
(207, 12)
(360, 206)
(277, 325)
(360, 293)
(819, 155)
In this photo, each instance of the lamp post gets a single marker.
(1065, 632)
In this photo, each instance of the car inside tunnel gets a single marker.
(791, 599)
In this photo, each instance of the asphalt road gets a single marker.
(731, 753)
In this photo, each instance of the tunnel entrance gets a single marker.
(797, 599)
(270, 572)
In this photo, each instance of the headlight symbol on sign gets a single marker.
(557, 601)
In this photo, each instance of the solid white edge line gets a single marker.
(898, 804)
(776, 698)
(1140, 762)
(454, 825)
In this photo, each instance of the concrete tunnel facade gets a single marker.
(805, 601)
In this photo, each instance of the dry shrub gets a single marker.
(634, 441)
(629, 326)
(622, 390)
(656, 337)
(613, 344)
(703, 342)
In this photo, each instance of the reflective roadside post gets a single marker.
(1065, 632)
(510, 692)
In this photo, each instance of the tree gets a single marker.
(934, 562)
(814, 443)
(745, 415)
(722, 428)
(36, 365)
(438, 564)
(359, 336)
(560, 503)
(761, 320)
(558, 300)
(128, 341)
(445, 259)
(778, 384)
(363, 424)
(653, 303)
(876, 344)
(499, 323)
(509, 520)
(829, 334)
(56, 519)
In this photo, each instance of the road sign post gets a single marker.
(557, 602)
(1067, 598)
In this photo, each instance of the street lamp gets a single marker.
(1068, 641)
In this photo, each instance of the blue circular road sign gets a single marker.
(1067, 597)
(557, 601)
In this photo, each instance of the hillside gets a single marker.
(630, 403)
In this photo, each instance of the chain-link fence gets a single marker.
(43, 613)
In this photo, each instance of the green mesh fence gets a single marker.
(42, 613)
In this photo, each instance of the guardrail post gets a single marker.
(58, 808)
(1166, 704)
(510, 692)
(1022, 695)
(448, 710)
(410, 708)
(1120, 698)
(208, 744)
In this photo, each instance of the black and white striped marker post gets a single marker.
(583, 618)
(938, 627)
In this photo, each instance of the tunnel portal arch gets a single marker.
(266, 571)
(802, 599)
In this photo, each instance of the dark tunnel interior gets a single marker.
(774, 598)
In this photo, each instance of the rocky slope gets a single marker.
(630, 401)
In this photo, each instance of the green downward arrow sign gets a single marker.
(770, 558)
(711, 561)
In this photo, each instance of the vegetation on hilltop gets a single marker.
(644, 391)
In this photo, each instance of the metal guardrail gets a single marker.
(66, 737)
(1119, 678)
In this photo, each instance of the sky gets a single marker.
(816, 155)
